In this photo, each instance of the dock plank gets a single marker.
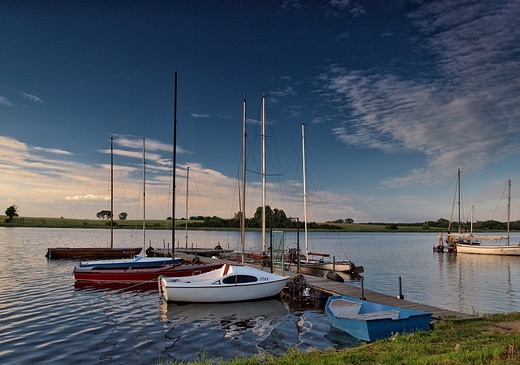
(336, 288)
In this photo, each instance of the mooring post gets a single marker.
(334, 264)
(362, 289)
(400, 296)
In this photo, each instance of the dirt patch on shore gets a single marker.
(510, 327)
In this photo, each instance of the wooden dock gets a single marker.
(329, 287)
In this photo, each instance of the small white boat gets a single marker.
(137, 261)
(231, 283)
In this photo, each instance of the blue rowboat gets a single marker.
(369, 321)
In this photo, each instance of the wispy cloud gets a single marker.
(467, 112)
(196, 115)
(5, 102)
(32, 98)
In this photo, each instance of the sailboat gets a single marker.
(87, 253)
(135, 273)
(231, 283)
(503, 250)
(452, 239)
(322, 265)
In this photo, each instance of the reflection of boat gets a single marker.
(111, 286)
(178, 313)
(137, 275)
(231, 283)
(70, 253)
(371, 321)
(137, 261)
(506, 250)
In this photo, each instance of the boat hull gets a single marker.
(138, 275)
(504, 250)
(320, 268)
(88, 253)
(370, 321)
(137, 261)
(230, 284)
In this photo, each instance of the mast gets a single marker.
(263, 173)
(304, 195)
(508, 207)
(458, 186)
(186, 229)
(111, 192)
(174, 161)
(144, 197)
(243, 202)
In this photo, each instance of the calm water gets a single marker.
(46, 318)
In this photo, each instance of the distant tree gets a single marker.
(104, 214)
(122, 216)
(12, 211)
(349, 221)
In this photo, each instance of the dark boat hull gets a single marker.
(89, 253)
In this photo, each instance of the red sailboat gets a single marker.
(140, 274)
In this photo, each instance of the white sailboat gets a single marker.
(311, 264)
(231, 283)
(482, 249)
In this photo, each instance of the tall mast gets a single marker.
(144, 197)
(243, 203)
(111, 192)
(304, 195)
(174, 162)
(263, 173)
(186, 229)
(508, 207)
(458, 185)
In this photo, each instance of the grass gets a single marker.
(493, 340)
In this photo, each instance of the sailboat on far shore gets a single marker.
(482, 249)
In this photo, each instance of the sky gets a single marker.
(395, 96)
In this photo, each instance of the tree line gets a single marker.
(276, 218)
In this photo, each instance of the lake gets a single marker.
(45, 317)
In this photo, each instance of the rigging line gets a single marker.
(123, 184)
(88, 185)
(499, 201)
(323, 200)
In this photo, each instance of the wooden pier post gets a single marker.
(400, 295)
(362, 289)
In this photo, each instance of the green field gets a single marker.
(179, 224)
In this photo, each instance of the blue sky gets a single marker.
(395, 95)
